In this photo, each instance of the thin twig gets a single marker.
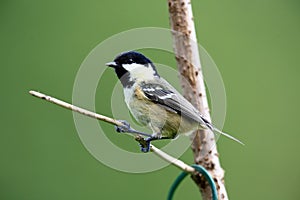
(75, 108)
(174, 161)
(178, 163)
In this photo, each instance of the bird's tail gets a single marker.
(226, 134)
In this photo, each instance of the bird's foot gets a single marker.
(144, 143)
(123, 129)
(145, 147)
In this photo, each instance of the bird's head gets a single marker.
(133, 66)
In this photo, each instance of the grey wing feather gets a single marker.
(165, 95)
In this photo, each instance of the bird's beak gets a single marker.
(111, 64)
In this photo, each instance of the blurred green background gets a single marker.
(256, 45)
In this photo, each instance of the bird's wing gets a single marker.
(165, 95)
(162, 93)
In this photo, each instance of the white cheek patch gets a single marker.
(132, 66)
(139, 71)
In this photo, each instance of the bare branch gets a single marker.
(174, 161)
(75, 108)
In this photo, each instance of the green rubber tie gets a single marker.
(202, 171)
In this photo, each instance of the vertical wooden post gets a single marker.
(189, 66)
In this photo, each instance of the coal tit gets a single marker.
(154, 102)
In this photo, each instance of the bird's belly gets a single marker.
(167, 123)
(162, 121)
(176, 124)
(141, 112)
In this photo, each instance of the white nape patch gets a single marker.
(167, 96)
(132, 66)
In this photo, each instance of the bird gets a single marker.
(154, 102)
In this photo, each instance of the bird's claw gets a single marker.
(144, 143)
(146, 147)
(124, 128)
